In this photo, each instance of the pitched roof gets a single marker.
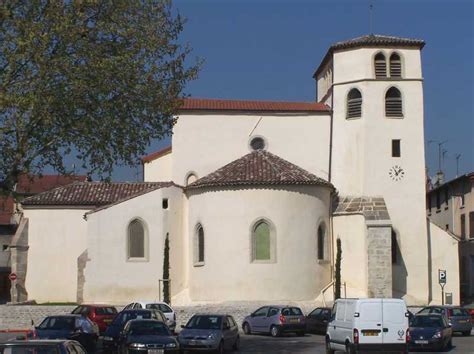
(259, 168)
(204, 104)
(372, 208)
(37, 184)
(371, 40)
(157, 154)
(93, 194)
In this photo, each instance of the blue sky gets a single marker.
(268, 50)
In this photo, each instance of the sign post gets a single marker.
(442, 283)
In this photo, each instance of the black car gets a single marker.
(42, 347)
(74, 327)
(110, 340)
(141, 336)
(317, 320)
(430, 331)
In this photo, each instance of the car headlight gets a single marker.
(171, 345)
(110, 339)
(137, 345)
(211, 336)
(437, 335)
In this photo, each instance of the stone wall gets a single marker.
(379, 262)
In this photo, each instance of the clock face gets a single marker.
(396, 173)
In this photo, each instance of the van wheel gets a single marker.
(275, 331)
(246, 328)
(350, 349)
(328, 347)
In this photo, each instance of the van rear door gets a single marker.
(395, 322)
(368, 321)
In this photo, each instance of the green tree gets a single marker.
(166, 271)
(337, 285)
(97, 80)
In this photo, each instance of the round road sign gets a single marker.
(12, 276)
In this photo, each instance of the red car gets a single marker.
(102, 315)
(470, 309)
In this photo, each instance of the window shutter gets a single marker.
(380, 66)
(393, 103)
(395, 66)
(354, 104)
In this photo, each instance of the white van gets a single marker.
(368, 325)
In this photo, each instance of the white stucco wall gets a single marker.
(352, 231)
(203, 143)
(159, 170)
(363, 157)
(56, 238)
(227, 217)
(110, 276)
(444, 255)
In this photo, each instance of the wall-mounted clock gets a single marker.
(396, 173)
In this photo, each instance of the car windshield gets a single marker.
(124, 317)
(58, 323)
(205, 322)
(291, 311)
(30, 349)
(148, 328)
(427, 321)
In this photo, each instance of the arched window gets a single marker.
(190, 178)
(262, 247)
(393, 103)
(395, 66)
(136, 239)
(321, 242)
(354, 104)
(380, 66)
(199, 245)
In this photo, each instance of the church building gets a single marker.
(253, 196)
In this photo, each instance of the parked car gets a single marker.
(156, 305)
(111, 337)
(458, 317)
(317, 320)
(142, 336)
(102, 315)
(275, 320)
(210, 332)
(470, 309)
(74, 327)
(40, 346)
(430, 331)
(368, 325)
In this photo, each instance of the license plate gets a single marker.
(156, 351)
(107, 321)
(295, 320)
(370, 333)
(421, 342)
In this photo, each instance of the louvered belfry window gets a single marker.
(395, 66)
(380, 66)
(354, 104)
(393, 103)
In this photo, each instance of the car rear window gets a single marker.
(105, 310)
(30, 349)
(458, 312)
(162, 307)
(427, 321)
(291, 311)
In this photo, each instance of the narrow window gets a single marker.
(395, 66)
(199, 245)
(463, 226)
(321, 242)
(438, 200)
(396, 152)
(164, 203)
(262, 242)
(462, 199)
(136, 239)
(428, 199)
(394, 247)
(354, 104)
(447, 227)
(471, 224)
(393, 103)
(446, 197)
(380, 66)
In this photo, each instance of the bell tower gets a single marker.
(374, 86)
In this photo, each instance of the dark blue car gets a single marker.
(74, 327)
(430, 332)
(112, 334)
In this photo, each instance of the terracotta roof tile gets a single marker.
(259, 168)
(157, 154)
(93, 193)
(36, 184)
(201, 104)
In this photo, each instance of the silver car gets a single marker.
(275, 319)
(458, 318)
(205, 332)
